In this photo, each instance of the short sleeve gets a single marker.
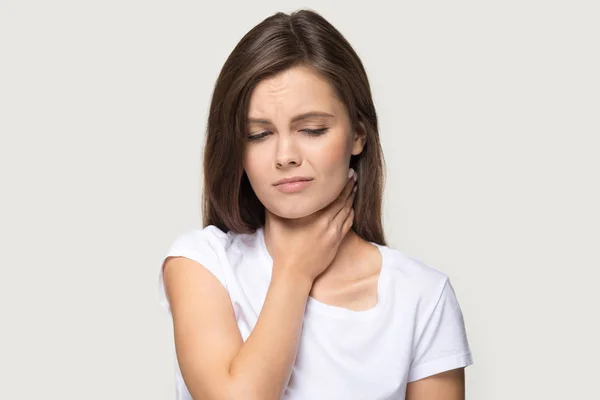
(443, 344)
(200, 245)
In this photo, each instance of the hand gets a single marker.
(306, 249)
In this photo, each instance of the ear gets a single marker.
(359, 139)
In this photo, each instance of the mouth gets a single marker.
(291, 185)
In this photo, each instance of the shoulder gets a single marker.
(416, 284)
(209, 239)
(206, 246)
(411, 271)
(213, 248)
(421, 288)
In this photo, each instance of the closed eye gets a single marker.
(311, 132)
(315, 132)
(258, 136)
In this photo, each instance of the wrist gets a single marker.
(297, 278)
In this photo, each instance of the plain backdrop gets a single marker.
(490, 123)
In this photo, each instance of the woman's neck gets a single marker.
(351, 279)
(349, 249)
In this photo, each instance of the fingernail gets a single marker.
(355, 176)
(355, 188)
(350, 173)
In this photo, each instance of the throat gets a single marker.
(352, 279)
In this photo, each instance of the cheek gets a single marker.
(327, 159)
(331, 159)
(256, 167)
(330, 162)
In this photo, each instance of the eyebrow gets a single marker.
(300, 117)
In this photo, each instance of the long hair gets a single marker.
(279, 42)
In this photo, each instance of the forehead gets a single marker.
(292, 91)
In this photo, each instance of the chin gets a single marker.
(291, 212)
(294, 210)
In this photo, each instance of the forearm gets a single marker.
(263, 366)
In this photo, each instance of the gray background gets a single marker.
(489, 117)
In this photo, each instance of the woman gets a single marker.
(289, 291)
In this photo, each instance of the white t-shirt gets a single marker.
(415, 330)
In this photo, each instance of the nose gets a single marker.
(287, 155)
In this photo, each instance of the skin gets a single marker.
(284, 148)
(287, 150)
(449, 385)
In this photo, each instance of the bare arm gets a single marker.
(449, 385)
(215, 362)
(265, 361)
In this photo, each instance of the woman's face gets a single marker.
(298, 129)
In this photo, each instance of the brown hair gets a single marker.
(277, 43)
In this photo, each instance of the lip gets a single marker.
(292, 180)
(293, 184)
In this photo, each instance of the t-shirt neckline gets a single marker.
(315, 306)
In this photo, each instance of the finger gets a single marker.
(338, 203)
(348, 222)
(341, 215)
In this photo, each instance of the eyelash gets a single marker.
(310, 132)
